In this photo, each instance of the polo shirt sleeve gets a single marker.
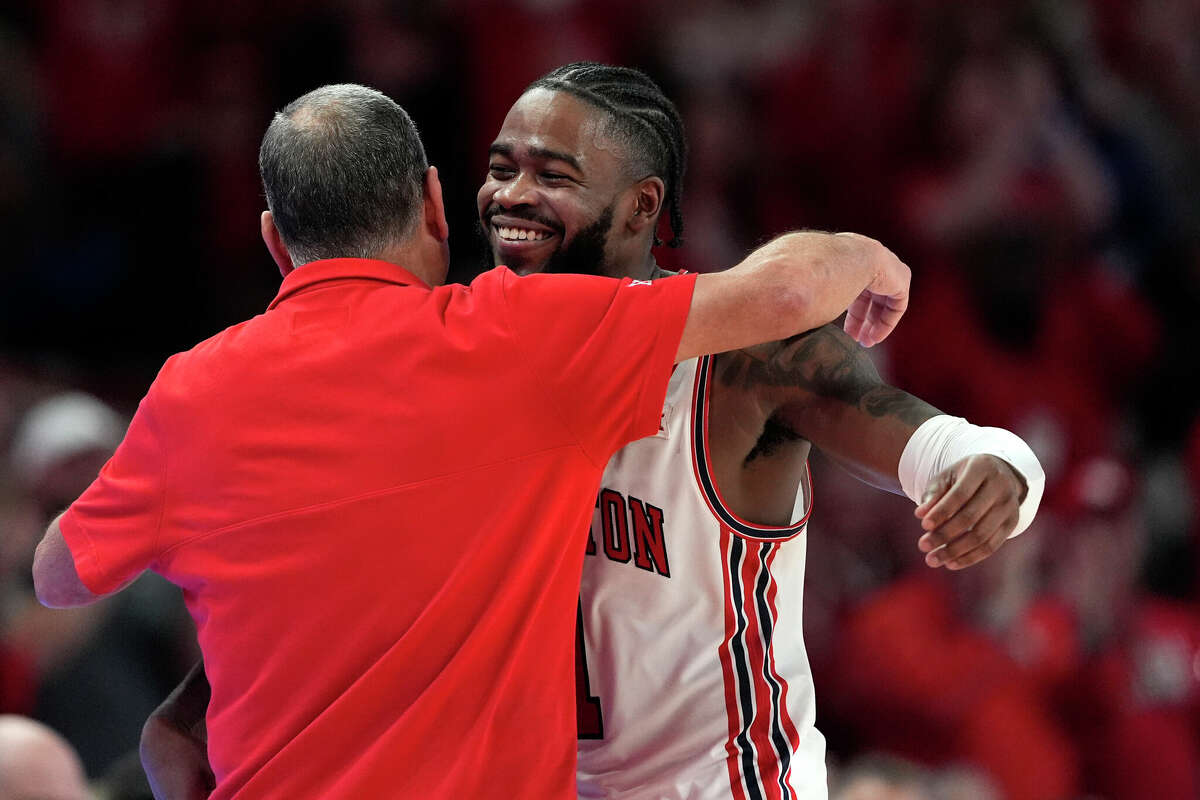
(602, 349)
(112, 529)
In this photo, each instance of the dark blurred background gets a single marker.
(1035, 163)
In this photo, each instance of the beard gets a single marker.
(583, 255)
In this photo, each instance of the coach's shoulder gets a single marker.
(190, 375)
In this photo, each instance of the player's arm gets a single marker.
(794, 283)
(823, 387)
(55, 579)
(174, 745)
(976, 487)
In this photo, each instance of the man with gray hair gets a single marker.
(375, 495)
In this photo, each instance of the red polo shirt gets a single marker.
(375, 497)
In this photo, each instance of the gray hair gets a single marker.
(343, 170)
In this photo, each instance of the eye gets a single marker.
(501, 171)
(555, 177)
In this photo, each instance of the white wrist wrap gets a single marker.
(943, 440)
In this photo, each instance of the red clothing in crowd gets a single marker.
(1135, 707)
(18, 681)
(375, 497)
(912, 676)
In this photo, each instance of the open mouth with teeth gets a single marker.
(512, 234)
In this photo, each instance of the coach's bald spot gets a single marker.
(319, 114)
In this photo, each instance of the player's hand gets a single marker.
(875, 312)
(176, 761)
(969, 510)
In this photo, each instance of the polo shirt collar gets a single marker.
(336, 269)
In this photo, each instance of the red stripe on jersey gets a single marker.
(789, 727)
(767, 762)
(732, 710)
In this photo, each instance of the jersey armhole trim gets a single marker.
(706, 479)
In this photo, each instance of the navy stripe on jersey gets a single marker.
(708, 485)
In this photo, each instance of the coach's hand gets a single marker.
(969, 510)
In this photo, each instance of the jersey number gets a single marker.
(588, 716)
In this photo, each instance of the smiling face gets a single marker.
(557, 190)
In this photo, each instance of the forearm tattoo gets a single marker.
(824, 362)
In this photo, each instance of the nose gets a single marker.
(519, 191)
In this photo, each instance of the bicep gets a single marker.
(709, 317)
(55, 578)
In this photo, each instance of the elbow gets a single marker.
(47, 591)
(54, 596)
(791, 305)
(800, 300)
(51, 585)
(43, 585)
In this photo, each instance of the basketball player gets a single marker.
(693, 677)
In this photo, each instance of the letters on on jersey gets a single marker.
(691, 672)
(630, 530)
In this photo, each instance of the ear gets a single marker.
(435, 209)
(647, 202)
(275, 244)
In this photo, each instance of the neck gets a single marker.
(643, 268)
(419, 258)
(659, 272)
(648, 268)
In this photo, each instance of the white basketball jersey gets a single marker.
(694, 681)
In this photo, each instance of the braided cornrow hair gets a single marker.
(642, 113)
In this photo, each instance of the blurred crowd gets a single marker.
(1036, 163)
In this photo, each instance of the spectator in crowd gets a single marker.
(1133, 703)
(1003, 217)
(124, 780)
(919, 671)
(37, 762)
(878, 777)
(87, 672)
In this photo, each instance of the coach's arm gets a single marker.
(797, 282)
(55, 579)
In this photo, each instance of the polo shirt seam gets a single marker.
(666, 323)
(646, 375)
(516, 334)
(358, 497)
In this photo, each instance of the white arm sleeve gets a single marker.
(944, 440)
